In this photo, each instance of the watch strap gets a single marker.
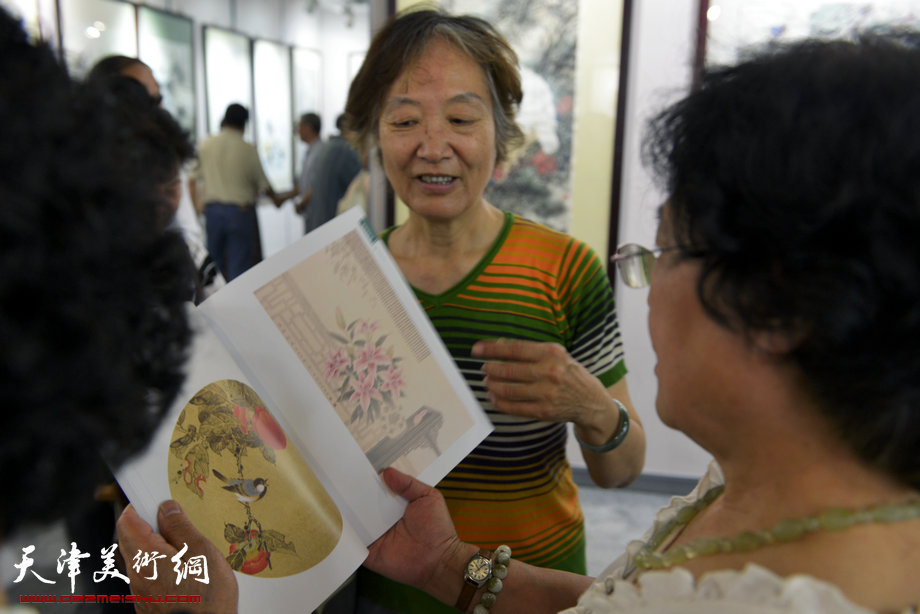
(466, 595)
(470, 586)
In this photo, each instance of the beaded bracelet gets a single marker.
(618, 436)
(494, 585)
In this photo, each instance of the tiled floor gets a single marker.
(613, 518)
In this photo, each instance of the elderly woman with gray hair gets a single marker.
(527, 312)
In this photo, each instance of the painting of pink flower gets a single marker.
(367, 328)
(393, 381)
(362, 369)
(365, 390)
(336, 363)
(370, 357)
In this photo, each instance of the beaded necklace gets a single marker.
(791, 529)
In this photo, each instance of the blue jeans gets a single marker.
(230, 229)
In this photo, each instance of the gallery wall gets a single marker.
(279, 58)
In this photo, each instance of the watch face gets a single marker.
(479, 569)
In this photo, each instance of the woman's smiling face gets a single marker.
(437, 133)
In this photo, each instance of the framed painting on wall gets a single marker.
(272, 112)
(272, 119)
(93, 29)
(165, 44)
(536, 180)
(227, 53)
(355, 60)
(733, 28)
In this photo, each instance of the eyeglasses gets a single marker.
(636, 263)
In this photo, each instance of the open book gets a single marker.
(309, 374)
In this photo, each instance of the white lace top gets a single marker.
(752, 590)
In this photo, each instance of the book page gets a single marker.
(245, 485)
(361, 347)
(329, 332)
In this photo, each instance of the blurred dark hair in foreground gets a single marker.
(92, 290)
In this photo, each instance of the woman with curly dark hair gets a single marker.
(93, 292)
(93, 304)
(785, 312)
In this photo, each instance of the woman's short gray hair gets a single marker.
(403, 39)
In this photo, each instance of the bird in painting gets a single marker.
(246, 491)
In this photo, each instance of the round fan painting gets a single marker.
(245, 486)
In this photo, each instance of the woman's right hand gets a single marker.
(422, 550)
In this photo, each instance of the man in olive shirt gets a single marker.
(231, 178)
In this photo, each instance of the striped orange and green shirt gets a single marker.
(516, 487)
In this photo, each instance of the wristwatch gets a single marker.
(478, 571)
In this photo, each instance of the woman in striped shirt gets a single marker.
(527, 312)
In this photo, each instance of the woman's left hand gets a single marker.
(540, 381)
(218, 589)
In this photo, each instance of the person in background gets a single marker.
(126, 66)
(308, 128)
(93, 297)
(358, 193)
(336, 166)
(185, 219)
(527, 312)
(152, 141)
(230, 176)
(785, 312)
